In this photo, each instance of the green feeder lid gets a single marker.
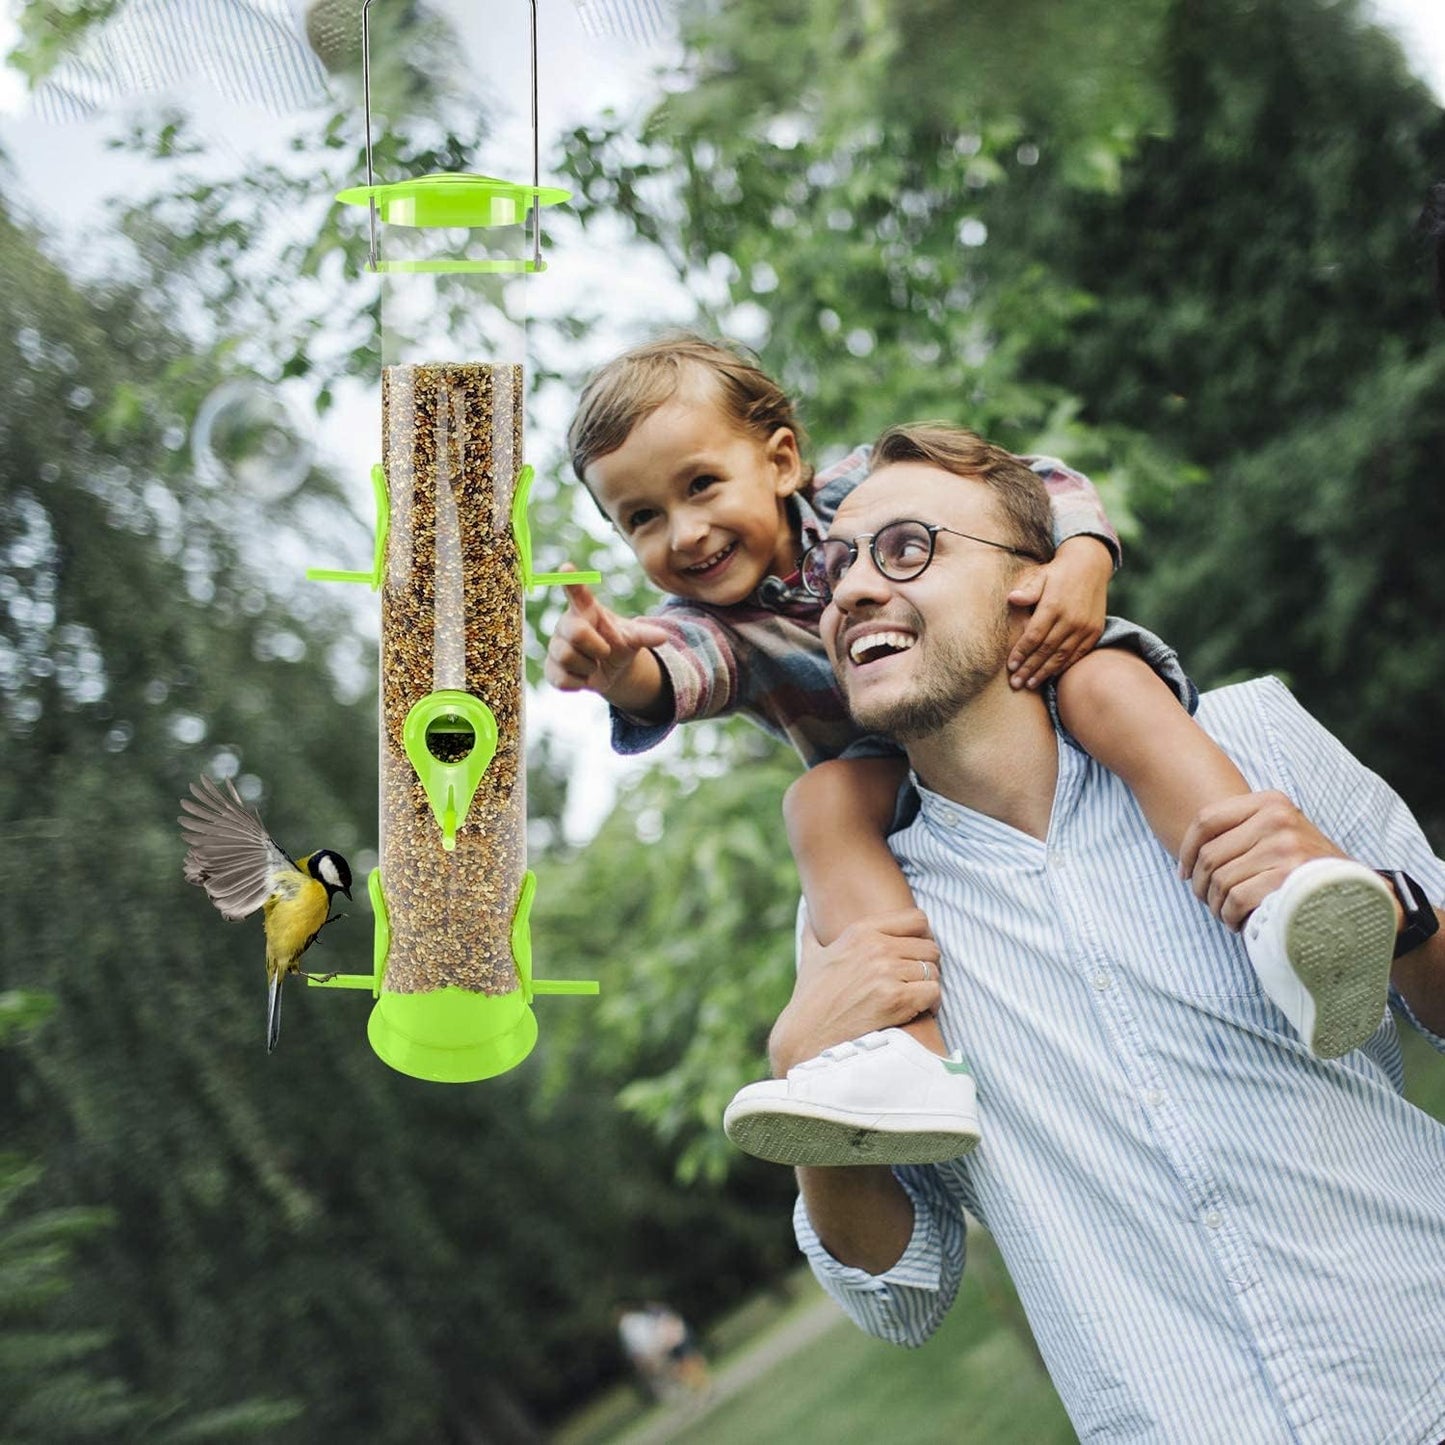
(454, 199)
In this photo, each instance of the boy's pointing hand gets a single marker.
(596, 650)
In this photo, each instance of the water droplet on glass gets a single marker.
(972, 232)
(226, 762)
(187, 728)
(245, 436)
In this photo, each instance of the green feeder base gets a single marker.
(452, 1035)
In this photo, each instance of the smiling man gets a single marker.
(1216, 1235)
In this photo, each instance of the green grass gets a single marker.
(975, 1381)
(608, 1415)
(1424, 1073)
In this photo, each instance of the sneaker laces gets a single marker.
(865, 1044)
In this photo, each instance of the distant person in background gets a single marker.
(1216, 1236)
(662, 1351)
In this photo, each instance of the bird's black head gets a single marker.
(330, 868)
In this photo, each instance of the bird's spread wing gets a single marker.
(231, 856)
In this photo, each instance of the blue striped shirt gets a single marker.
(1216, 1236)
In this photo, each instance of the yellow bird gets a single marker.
(243, 868)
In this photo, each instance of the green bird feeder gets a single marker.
(452, 963)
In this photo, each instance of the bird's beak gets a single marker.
(347, 892)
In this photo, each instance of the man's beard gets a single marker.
(956, 673)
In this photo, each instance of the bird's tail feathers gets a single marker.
(273, 1012)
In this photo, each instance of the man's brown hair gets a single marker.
(1022, 497)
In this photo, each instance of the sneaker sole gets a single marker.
(817, 1137)
(1341, 942)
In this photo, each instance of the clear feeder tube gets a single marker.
(452, 623)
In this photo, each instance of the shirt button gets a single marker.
(1101, 981)
(1212, 1220)
(1154, 1097)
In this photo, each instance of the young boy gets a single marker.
(694, 455)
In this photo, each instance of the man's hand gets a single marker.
(596, 650)
(1238, 851)
(871, 977)
(1069, 597)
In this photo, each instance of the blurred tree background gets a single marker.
(1170, 240)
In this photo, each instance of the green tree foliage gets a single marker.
(47, 32)
(832, 165)
(685, 905)
(49, 1391)
(47, 1388)
(1261, 308)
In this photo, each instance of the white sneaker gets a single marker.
(879, 1099)
(1322, 944)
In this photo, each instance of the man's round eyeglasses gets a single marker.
(901, 551)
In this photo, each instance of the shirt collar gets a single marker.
(787, 594)
(977, 834)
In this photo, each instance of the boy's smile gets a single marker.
(701, 502)
(713, 566)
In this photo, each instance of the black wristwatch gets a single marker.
(1421, 920)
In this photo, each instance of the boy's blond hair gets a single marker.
(1022, 497)
(630, 387)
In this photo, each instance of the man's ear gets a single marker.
(786, 461)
